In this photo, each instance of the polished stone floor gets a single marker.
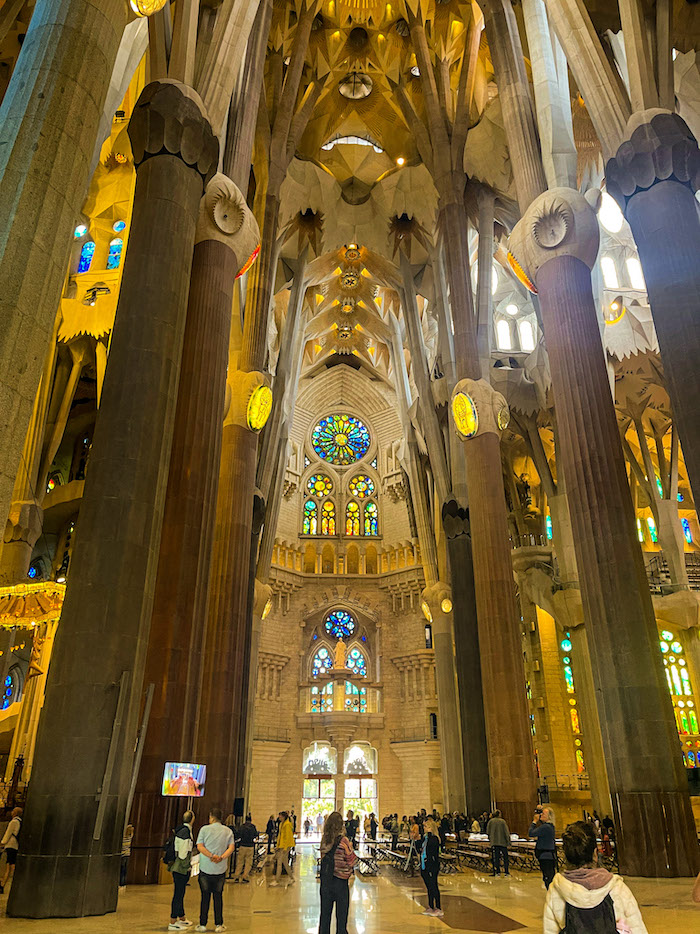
(390, 904)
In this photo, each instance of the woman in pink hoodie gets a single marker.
(586, 894)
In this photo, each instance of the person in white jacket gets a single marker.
(585, 885)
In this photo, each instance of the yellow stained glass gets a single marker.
(465, 415)
(146, 7)
(259, 407)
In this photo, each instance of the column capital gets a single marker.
(248, 400)
(170, 119)
(659, 147)
(560, 222)
(478, 409)
(225, 216)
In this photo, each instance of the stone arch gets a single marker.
(328, 559)
(370, 560)
(352, 560)
(310, 559)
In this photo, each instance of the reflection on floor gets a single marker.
(390, 904)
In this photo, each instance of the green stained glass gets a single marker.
(319, 485)
(361, 486)
(340, 439)
(310, 524)
(371, 519)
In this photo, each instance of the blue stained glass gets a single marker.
(32, 572)
(322, 662)
(340, 623)
(680, 497)
(652, 529)
(548, 525)
(659, 487)
(566, 645)
(118, 226)
(340, 439)
(86, 255)
(356, 663)
(80, 231)
(686, 531)
(115, 253)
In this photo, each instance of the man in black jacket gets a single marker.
(245, 837)
(542, 829)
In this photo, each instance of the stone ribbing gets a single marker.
(48, 124)
(653, 177)
(176, 640)
(651, 807)
(72, 850)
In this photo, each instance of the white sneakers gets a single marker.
(180, 926)
(200, 929)
(433, 912)
(220, 928)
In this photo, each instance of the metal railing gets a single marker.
(565, 782)
(529, 540)
(408, 735)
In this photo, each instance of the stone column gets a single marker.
(226, 236)
(477, 782)
(556, 243)
(48, 124)
(511, 756)
(82, 770)
(654, 177)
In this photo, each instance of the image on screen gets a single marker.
(184, 779)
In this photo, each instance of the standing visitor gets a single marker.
(271, 831)
(215, 845)
(476, 826)
(293, 819)
(351, 827)
(430, 867)
(445, 828)
(10, 844)
(542, 829)
(319, 824)
(337, 861)
(394, 830)
(499, 838)
(285, 842)
(586, 897)
(179, 867)
(373, 826)
(126, 853)
(307, 827)
(246, 835)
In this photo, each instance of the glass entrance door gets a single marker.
(361, 798)
(317, 804)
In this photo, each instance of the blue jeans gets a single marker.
(212, 887)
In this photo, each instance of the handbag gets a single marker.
(194, 865)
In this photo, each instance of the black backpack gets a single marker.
(328, 864)
(169, 854)
(597, 920)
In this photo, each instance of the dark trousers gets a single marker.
(548, 865)
(498, 852)
(336, 892)
(394, 841)
(212, 886)
(122, 870)
(177, 907)
(430, 877)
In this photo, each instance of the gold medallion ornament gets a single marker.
(259, 408)
(426, 611)
(349, 280)
(503, 418)
(446, 605)
(146, 7)
(465, 416)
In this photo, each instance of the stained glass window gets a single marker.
(569, 678)
(691, 759)
(319, 485)
(340, 623)
(580, 765)
(355, 698)
(694, 729)
(548, 526)
(328, 518)
(86, 255)
(322, 700)
(686, 531)
(8, 691)
(352, 519)
(652, 529)
(356, 663)
(310, 526)
(115, 253)
(340, 439)
(361, 486)
(575, 723)
(371, 517)
(374, 463)
(322, 662)
(118, 226)
(640, 533)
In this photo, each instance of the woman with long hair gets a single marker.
(430, 867)
(337, 861)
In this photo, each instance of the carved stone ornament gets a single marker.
(170, 119)
(225, 216)
(659, 147)
(561, 222)
(489, 408)
(239, 391)
(438, 596)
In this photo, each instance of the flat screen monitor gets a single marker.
(184, 780)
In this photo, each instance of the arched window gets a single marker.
(687, 532)
(371, 560)
(322, 662)
(86, 254)
(371, 519)
(609, 270)
(352, 519)
(527, 336)
(634, 269)
(357, 663)
(340, 623)
(328, 518)
(503, 337)
(352, 560)
(115, 253)
(12, 688)
(310, 525)
(322, 700)
(433, 726)
(355, 698)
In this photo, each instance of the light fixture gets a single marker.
(352, 246)
(401, 161)
(465, 416)
(94, 293)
